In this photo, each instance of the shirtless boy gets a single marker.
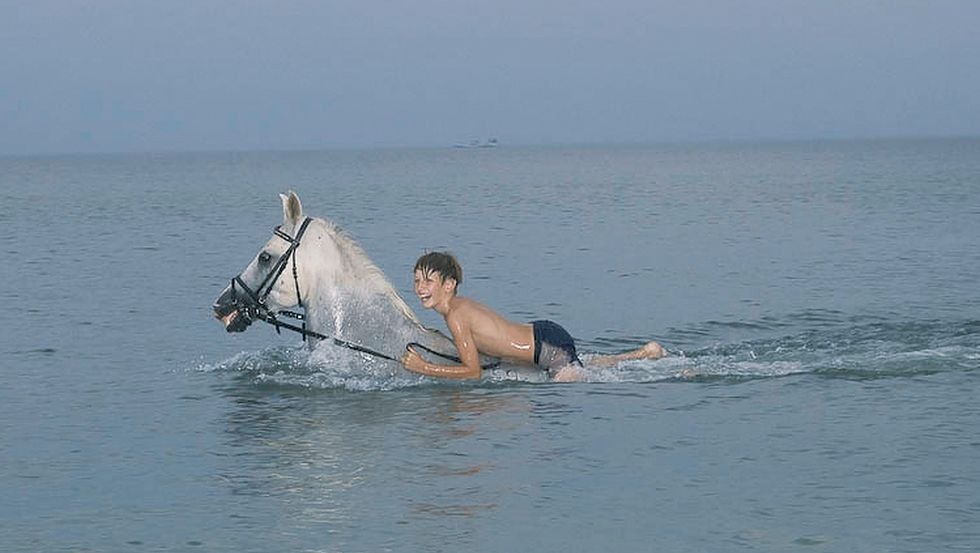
(478, 329)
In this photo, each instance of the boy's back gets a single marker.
(491, 333)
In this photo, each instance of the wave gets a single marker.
(863, 351)
(325, 367)
(870, 350)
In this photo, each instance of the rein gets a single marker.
(271, 319)
(255, 307)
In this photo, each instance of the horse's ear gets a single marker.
(292, 210)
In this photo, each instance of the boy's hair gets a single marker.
(442, 263)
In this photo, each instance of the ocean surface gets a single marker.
(820, 302)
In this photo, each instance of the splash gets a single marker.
(324, 368)
(878, 350)
(872, 350)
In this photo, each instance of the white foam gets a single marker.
(331, 367)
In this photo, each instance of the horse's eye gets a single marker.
(264, 257)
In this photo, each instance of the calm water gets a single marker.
(823, 294)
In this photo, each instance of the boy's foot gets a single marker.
(652, 350)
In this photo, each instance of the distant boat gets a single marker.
(490, 143)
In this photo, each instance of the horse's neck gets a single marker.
(340, 306)
(348, 297)
(369, 318)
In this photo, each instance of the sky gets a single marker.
(184, 75)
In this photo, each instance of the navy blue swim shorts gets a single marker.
(554, 347)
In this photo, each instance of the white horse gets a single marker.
(311, 263)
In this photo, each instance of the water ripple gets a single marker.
(875, 350)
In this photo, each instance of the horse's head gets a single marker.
(268, 283)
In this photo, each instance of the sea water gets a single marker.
(819, 301)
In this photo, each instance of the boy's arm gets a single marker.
(468, 354)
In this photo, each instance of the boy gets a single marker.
(478, 329)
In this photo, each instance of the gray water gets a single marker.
(819, 301)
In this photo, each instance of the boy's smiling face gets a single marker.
(432, 289)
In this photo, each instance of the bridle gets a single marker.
(254, 307)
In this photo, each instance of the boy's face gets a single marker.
(432, 289)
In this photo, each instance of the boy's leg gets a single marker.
(651, 350)
(569, 373)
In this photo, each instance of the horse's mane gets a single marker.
(357, 256)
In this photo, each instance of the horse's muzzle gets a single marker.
(231, 311)
(235, 321)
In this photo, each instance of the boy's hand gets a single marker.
(412, 360)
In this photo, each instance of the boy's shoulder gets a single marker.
(465, 309)
(460, 306)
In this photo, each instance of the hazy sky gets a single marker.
(99, 75)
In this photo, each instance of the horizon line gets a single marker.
(501, 144)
